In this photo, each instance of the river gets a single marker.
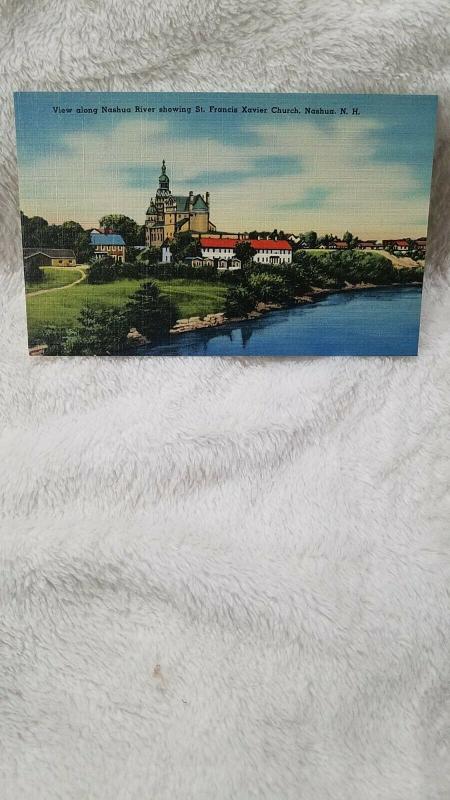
(369, 322)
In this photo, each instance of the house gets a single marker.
(48, 257)
(166, 253)
(421, 243)
(398, 245)
(339, 244)
(367, 244)
(194, 261)
(214, 247)
(229, 264)
(108, 244)
(271, 251)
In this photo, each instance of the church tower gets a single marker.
(164, 182)
(169, 214)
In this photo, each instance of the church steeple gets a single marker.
(163, 180)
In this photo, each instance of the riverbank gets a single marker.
(371, 322)
(189, 324)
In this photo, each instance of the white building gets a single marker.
(271, 251)
(268, 251)
(228, 264)
(166, 253)
(217, 248)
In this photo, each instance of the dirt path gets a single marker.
(66, 286)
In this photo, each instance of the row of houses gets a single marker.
(398, 245)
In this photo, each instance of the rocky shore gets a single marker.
(214, 320)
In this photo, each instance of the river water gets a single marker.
(368, 322)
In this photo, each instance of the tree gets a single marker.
(348, 238)
(70, 231)
(127, 228)
(34, 231)
(327, 239)
(100, 332)
(310, 239)
(244, 252)
(239, 301)
(82, 247)
(151, 255)
(130, 255)
(56, 338)
(104, 270)
(184, 245)
(32, 273)
(268, 288)
(150, 312)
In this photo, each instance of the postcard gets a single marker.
(221, 224)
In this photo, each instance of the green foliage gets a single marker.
(176, 269)
(239, 301)
(33, 273)
(34, 231)
(127, 228)
(151, 312)
(100, 332)
(310, 239)
(104, 270)
(151, 255)
(130, 255)
(244, 252)
(55, 337)
(267, 288)
(183, 245)
(348, 238)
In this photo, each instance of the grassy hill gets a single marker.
(193, 298)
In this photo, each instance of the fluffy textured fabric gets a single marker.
(225, 578)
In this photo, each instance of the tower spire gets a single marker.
(163, 178)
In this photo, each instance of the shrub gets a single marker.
(33, 273)
(104, 270)
(100, 332)
(151, 312)
(239, 301)
(266, 288)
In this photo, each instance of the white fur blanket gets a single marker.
(225, 578)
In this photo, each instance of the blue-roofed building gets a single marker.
(108, 244)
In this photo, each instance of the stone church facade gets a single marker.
(169, 214)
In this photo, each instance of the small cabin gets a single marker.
(45, 257)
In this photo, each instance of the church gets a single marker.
(169, 214)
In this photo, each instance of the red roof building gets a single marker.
(270, 244)
(213, 242)
(267, 251)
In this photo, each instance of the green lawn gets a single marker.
(193, 298)
(53, 278)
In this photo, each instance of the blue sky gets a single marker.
(370, 173)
